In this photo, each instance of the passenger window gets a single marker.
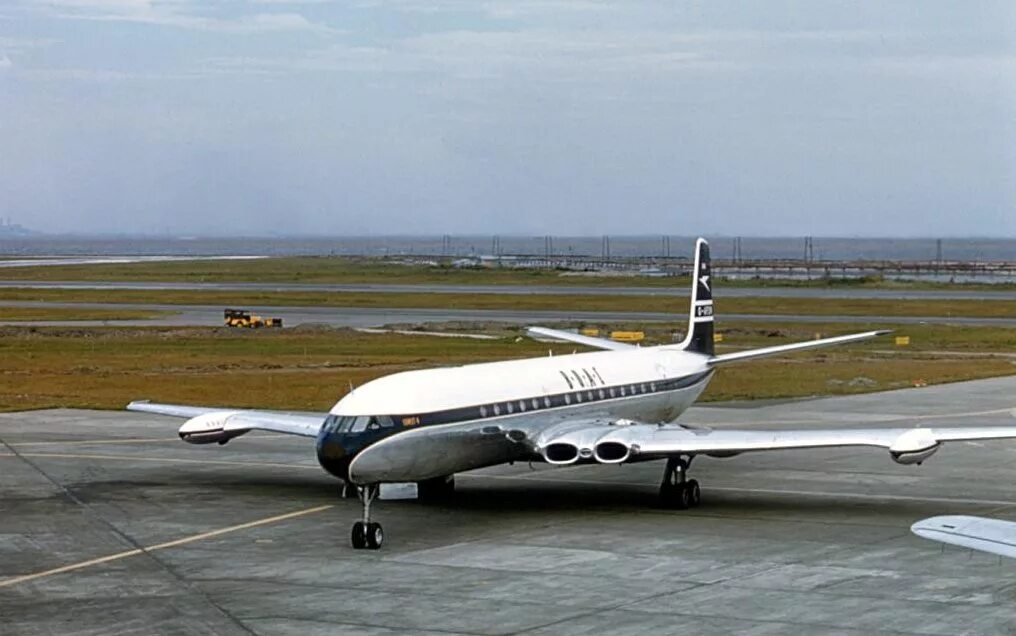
(536, 404)
(652, 385)
(578, 397)
(611, 390)
(483, 411)
(601, 394)
(508, 406)
(497, 410)
(522, 406)
(567, 399)
(622, 391)
(546, 402)
(590, 396)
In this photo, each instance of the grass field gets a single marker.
(35, 314)
(311, 369)
(775, 306)
(328, 269)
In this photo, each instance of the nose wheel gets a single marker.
(676, 490)
(367, 534)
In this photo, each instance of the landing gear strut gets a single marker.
(676, 490)
(367, 534)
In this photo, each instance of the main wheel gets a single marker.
(694, 493)
(375, 536)
(359, 536)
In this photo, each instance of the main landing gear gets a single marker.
(676, 490)
(367, 534)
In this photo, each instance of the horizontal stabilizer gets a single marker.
(568, 336)
(797, 346)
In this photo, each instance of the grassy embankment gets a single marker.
(36, 314)
(769, 306)
(311, 369)
(331, 269)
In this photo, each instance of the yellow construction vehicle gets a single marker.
(243, 318)
(628, 336)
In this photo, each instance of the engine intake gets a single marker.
(612, 452)
(561, 453)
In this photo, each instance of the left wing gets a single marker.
(978, 533)
(623, 442)
(207, 424)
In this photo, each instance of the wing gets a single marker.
(625, 441)
(797, 346)
(977, 533)
(207, 424)
(589, 341)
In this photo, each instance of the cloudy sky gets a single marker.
(509, 116)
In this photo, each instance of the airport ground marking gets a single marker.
(162, 546)
(168, 460)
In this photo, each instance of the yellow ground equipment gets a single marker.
(243, 318)
(628, 336)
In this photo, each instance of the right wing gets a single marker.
(977, 533)
(568, 336)
(207, 424)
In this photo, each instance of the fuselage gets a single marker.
(420, 424)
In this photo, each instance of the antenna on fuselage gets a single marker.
(350, 385)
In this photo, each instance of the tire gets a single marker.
(694, 494)
(682, 497)
(375, 536)
(359, 536)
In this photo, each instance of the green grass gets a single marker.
(312, 368)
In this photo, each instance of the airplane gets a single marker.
(616, 405)
(977, 533)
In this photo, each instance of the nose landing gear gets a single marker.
(367, 534)
(676, 491)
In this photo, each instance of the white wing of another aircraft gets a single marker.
(977, 533)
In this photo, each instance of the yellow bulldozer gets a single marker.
(243, 318)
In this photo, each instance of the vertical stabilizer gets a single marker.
(700, 319)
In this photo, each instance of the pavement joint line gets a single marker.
(162, 546)
(133, 440)
(769, 491)
(169, 460)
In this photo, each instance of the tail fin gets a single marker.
(699, 338)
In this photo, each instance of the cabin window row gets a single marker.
(565, 399)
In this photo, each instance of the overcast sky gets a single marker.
(509, 116)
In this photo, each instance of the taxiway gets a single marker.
(111, 524)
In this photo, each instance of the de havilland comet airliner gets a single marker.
(613, 406)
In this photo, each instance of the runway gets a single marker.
(366, 317)
(552, 290)
(112, 525)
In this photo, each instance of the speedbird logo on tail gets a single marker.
(705, 280)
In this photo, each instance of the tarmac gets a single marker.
(110, 524)
(368, 317)
(552, 290)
